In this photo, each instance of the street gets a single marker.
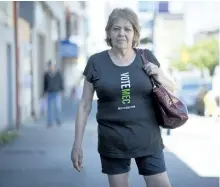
(40, 157)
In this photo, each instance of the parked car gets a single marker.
(192, 91)
(188, 91)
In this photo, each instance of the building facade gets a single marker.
(47, 32)
(168, 37)
(76, 35)
(7, 70)
(40, 27)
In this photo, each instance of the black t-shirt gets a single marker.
(127, 127)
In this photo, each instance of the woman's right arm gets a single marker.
(83, 112)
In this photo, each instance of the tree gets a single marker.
(203, 54)
(145, 40)
(181, 63)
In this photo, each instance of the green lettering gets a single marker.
(126, 91)
(125, 88)
(126, 101)
(126, 98)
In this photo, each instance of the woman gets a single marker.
(127, 127)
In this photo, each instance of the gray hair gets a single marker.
(126, 14)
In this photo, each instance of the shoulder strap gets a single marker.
(145, 61)
(142, 52)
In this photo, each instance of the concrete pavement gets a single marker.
(40, 157)
(197, 144)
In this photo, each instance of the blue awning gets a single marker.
(68, 49)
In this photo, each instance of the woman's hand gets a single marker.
(152, 69)
(77, 157)
(159, 75)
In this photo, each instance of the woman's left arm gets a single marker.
(166, 81)
(153, 68)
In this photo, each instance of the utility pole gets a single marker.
(153, 25)
(17, 77)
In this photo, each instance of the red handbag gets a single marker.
(170, 112)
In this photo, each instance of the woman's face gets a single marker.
(122, 34)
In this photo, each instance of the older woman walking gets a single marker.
(127, 126)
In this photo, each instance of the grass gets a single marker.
(7, 136)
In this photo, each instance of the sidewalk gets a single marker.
(41, 158)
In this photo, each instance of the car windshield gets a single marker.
(191, 86)
(194, 84)
(190, 83)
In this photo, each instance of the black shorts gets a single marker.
(147, 165)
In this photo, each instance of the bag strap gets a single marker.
(145, 62)
(143, 57)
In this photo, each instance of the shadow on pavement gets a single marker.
(41, 158)
(181, 175)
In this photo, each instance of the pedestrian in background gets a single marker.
(127, 125)
(53, 92)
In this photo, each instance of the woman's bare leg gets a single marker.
(120, 180)
(158, 180)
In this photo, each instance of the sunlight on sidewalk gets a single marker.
(201, 155)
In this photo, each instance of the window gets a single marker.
(146, 23)
(74, 23)
(163, 7)
(146, 6)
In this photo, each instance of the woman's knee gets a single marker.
(157, 180)
(119, 180)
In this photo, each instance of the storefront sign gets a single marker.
(68, 49)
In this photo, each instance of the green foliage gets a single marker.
(178, 64)
(6, 137)
(145, 40)
(203, 54)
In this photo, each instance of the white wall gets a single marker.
(43, 27)
(25, 69)
(200, 16)
(169, 36)
(97, 23)
(58, 10)
(6, 37)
